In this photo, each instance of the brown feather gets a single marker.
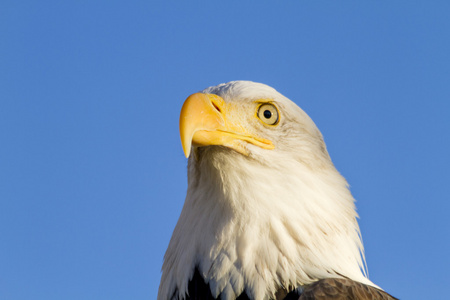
(330, 288)
(342, 289)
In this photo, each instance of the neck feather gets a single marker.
(249, 226)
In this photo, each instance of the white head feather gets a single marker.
(281, 217)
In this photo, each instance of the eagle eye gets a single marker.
(268, 113)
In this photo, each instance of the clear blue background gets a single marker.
(92, 175)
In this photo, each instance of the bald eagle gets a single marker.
(266, 215)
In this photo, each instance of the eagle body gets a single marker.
(266, 212)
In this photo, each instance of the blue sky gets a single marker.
(92, 174)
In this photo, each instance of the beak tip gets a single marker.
(186, 150)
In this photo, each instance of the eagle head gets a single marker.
(265, 207)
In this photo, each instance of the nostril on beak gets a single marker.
(216, 106)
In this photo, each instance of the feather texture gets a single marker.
(324, 289)
(343, 289)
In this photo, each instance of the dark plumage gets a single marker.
(341, 289)
(330, 288)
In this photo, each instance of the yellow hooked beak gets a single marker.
(203, 122)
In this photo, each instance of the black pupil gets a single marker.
(267, 114)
